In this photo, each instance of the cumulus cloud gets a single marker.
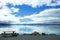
(33, 3)
(15, 9)
(5, 15)
(46, 16)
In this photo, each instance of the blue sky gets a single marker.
(29, 12)
(26, 10)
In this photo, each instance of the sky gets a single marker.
(29, 11)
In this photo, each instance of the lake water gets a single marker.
(21, 29)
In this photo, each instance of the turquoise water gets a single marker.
(21, 29)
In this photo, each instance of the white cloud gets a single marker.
(14, 9)
(5, 15)
(33, 3)
(46, 16)
(42, 17)
(50, 15)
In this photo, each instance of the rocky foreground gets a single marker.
(31, 37)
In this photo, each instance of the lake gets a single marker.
(30, 28)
